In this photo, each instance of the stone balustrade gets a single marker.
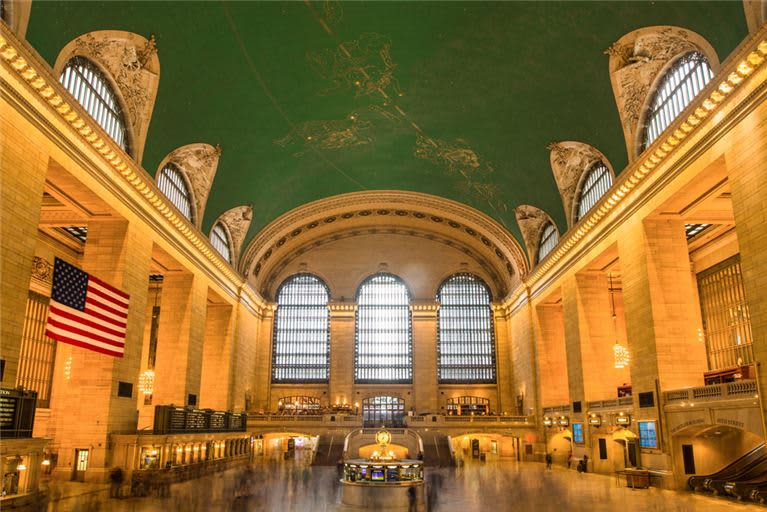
(738, 390)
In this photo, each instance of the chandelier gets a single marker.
(146, 382)
(620, 353)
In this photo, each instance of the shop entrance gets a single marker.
(81, 465)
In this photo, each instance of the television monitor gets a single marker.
(578, 433)
(648, 437)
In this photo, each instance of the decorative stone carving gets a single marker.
(531, 220)
(237, 222)
(569, 161)
(199, 163)
(756, 14)
(636, 61)
(42, 269)
(131, 62)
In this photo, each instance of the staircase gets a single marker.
(330, 448)
(436, 450)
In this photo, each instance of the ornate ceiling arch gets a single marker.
(386, 212)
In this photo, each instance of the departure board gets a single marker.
(17, 412)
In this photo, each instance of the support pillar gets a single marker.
(425, 388)
(217, 360)
(341, 388)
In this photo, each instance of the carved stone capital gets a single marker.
(42, 269)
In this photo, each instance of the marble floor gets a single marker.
(491, 487)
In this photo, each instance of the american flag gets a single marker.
(86, 311)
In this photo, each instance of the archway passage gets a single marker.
(388, 411)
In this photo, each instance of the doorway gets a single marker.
(81, 464)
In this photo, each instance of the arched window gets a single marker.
(678, 87)
(301, 344)
(549, 240)
(465, 346)
(173, 184)
(597, 181)
(92, 90)
(220, 241)
(380, 411)
(383, 349)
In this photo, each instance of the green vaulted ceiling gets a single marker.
(449, 98)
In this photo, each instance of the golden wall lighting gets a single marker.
(546, 421)
(595, 419)
(563, 421)
(623, 419)
(620, 352)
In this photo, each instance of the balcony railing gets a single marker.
(557, 409)
(306, 419)
(615, 403)
(437, 419)
(738, 390)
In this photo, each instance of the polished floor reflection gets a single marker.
(494, 487)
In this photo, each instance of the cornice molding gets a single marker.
(382, 203)
(22, 62)
(734, 73)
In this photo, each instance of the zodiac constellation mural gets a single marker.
(366, 67)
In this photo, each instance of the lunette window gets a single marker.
(549, 240)
(91, 88)
(173, 184)
(220, 241)
(678, 87)
(301, 341)
(598, 180)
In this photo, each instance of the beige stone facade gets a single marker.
(625, 274)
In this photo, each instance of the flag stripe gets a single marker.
(109, 287)
(67, 333)
(94, 311)
(109, 299)
(62, 326)
(84, 344)
(73, 317)
(103, 307)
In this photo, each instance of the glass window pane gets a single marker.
(598, 180)
(549, 240)
(383, 351)
(676, 90)
(172, 183)
(465, 335)
(301, 344)
(86, 82)
(220, 241)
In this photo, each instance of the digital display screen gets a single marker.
(377, 475)
(578, 433)
(648, 437)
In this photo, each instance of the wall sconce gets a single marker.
(595, 419)
(623, 419)
(563, 421)
(547, 421)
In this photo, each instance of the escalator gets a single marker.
(735, 471)
(436, 450)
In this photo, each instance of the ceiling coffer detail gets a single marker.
(637, 60)
(570, 160)
(531, 221)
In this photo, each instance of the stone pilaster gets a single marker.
(23, 167)
(218, 352)
(341, 386)
(507, 401)
(178, 363)
(84, 401)
(425, 389)
(746, 157)
(263, 369)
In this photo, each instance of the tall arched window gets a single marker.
(383, 349)
(173, 184)
(91, 88)
(220, 241)
(597, 181)
(301, 343)
(678, 87)
(549, 240)
(465, 346)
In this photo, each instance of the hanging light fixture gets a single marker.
(620, 353)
